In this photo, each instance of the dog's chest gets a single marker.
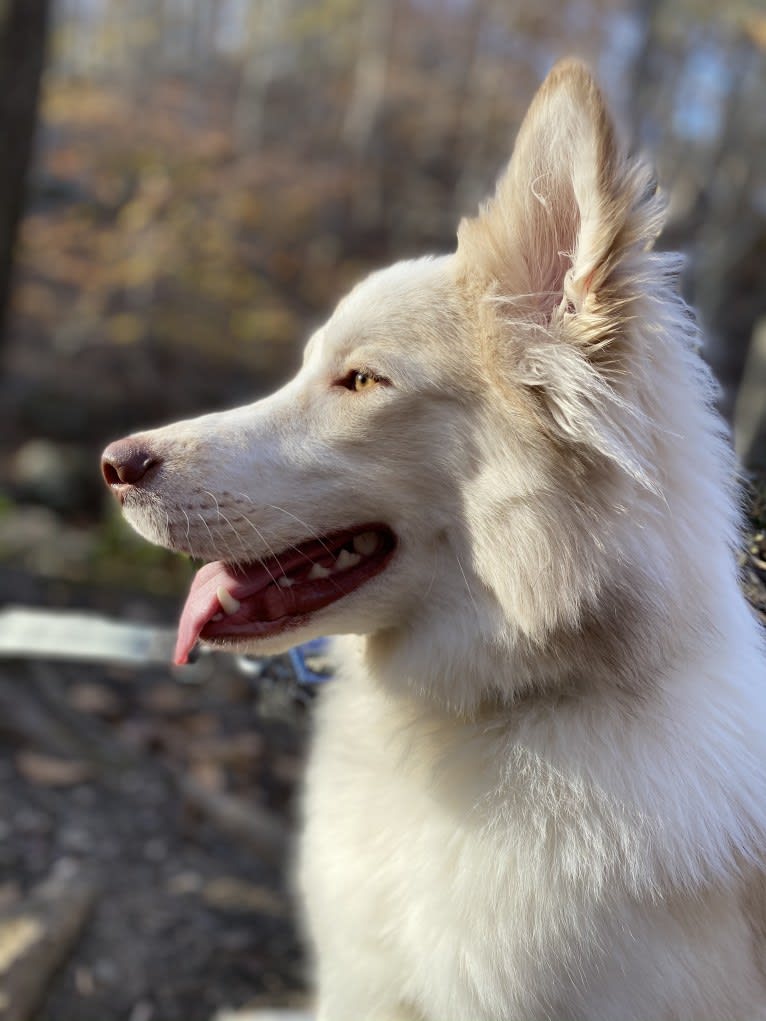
(410, 856)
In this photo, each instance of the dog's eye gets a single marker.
(364, 380)
(361, 379)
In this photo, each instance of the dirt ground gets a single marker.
(95, 772)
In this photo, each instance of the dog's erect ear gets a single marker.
(558, 260)
(561, 216)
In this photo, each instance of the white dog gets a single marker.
(538, 787)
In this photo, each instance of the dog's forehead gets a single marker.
(408, 301)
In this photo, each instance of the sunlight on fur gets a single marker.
(537, 787)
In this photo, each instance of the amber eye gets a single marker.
(363, 380)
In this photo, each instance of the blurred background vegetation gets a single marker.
(210, 176)
(186, 189)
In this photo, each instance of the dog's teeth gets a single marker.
(228, 603)
(216, 617)
(366, 543)
(284, 582)
(346, 560)
(317, 571)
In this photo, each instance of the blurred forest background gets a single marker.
(211, 175)
(186, 189)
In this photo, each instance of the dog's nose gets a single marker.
(126, 462)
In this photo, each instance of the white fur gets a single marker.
(537, 788)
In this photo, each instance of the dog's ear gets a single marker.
(558, 261)
(550, 239)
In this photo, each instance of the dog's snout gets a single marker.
(126, 462)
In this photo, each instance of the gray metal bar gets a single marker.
(34, 633)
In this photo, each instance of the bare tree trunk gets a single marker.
(38, 936)
(369, 88)
(261, 68)
(23, 29)
(363, 114)
(641, 83)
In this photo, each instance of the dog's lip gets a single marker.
(265, 608)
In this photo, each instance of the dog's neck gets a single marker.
(608, 654)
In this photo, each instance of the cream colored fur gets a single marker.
(537, 788)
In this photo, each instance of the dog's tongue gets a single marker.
(202, 602)
(264, 598)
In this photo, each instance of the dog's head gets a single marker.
(471, 443)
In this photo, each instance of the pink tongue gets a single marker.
(202, 602)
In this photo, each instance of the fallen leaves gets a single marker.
(228, 893)
(51, 771)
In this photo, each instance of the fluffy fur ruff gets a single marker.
(537, 788)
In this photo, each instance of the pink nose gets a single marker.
(126, 462)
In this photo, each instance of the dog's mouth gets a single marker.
(231, 603)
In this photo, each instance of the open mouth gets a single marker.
(235, 602)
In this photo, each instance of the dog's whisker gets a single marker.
(433, 575)
(264, 540)
(188, 528)
(260, 533)
(225, 537)
(290, 545)
(303, 524)
(468, 587)
(214, 498)
(257, 531)
(207, 526)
